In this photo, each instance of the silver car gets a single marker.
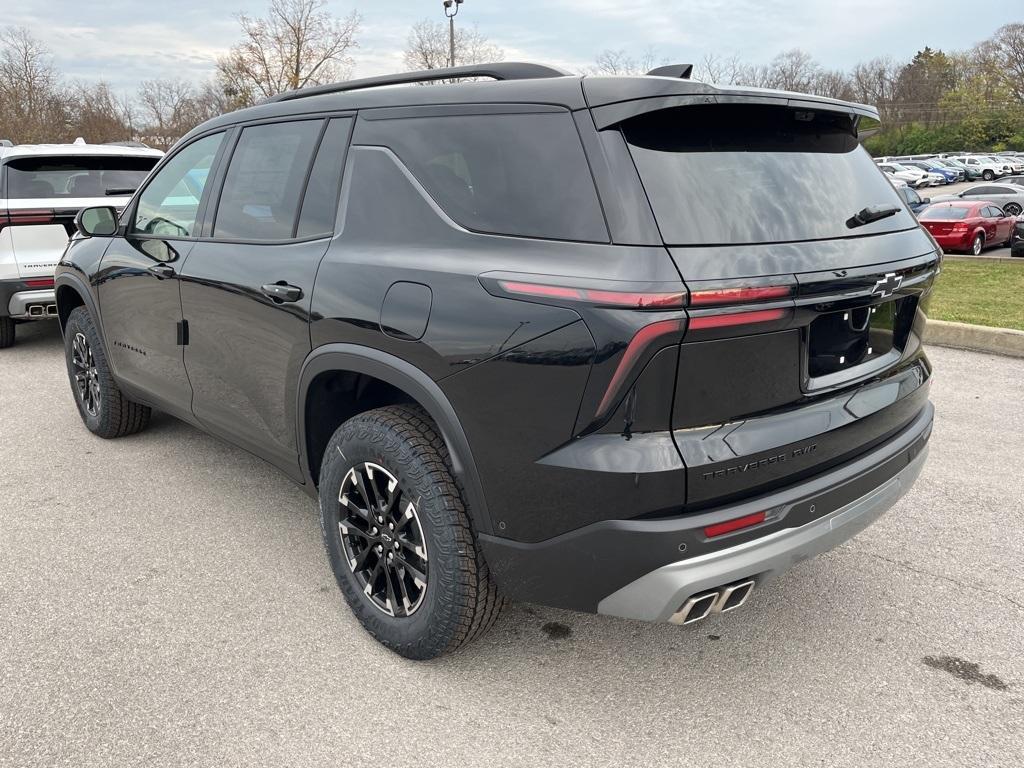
(1010, 197)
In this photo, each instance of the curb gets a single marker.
(980, 338)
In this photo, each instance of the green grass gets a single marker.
(981, 292)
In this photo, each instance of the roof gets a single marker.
(111, 150)
(616, 95)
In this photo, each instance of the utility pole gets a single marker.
(451, 9)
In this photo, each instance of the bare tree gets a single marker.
(721, 70)
(620, 62)
(298, 44)
(33, 105)
(1008, 49)
(428, 46)
(99, 115)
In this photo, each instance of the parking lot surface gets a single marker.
(165, 600)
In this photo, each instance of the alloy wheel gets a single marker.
(1012, 209)
(383, 540)
(87, 379)
(976, 246)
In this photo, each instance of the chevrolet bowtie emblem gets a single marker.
(888, 285)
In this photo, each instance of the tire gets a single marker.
(978, 244)
(103, 407)
(397, 455)
(6, 332)
(988, 176)
(1013, 209)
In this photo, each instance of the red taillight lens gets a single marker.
(622, 299)
(736, 318)
(639, 343)
(28, 216)
(961, 227)
(41, 283)
(720, 529)
(738, 295)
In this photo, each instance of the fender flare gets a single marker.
(65, 279)
(397, 372)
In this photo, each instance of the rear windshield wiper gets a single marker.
(120, 191)
(870, 214)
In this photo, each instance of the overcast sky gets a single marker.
(124, 42)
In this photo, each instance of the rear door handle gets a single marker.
(282, 292)
(162, 270)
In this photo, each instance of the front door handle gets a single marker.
(282, 292)
(162, 271)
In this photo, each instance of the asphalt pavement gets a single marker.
(165, 600)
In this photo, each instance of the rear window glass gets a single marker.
(734, 174)
(75, 176)
(944, 213)
(511, 174)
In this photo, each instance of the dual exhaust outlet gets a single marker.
(42, 310)
(721, 600)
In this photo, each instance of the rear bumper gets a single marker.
(660, 593)
(17, 299)
(33, 305)
(647, 568)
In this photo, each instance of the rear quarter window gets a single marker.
(511, 174)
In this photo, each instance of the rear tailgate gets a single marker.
(803, 344)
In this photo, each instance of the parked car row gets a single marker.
(951, 167)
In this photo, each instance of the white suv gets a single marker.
(915, 177)
(988, 167)
(42, 189)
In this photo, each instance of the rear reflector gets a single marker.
(640, 342)
(41, 283)
(739, 295)
(623, 299)
(736, 318)
(720, 529)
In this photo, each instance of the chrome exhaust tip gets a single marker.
(696, 608)
(51, 310)
(36, 310)
(734, 596)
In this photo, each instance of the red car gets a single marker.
(967, 225)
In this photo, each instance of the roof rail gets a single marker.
(682, 71)
(511, 70)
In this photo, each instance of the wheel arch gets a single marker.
(404, 379)
(70, 293)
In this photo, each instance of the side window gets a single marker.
(320, 203)
(982, 191)
(509, 174)
(263, 186)
(912, 197)
(169, 204)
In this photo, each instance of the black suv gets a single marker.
(629, 345)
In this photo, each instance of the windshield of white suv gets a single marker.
(75, 176)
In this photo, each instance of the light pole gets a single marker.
(451, 9)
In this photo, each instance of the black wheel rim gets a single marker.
(1013, 209)
(383, 540)
(87, 380)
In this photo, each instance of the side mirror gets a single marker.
(926, 200)
(97, 222)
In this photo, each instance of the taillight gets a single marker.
(960, 227)
(640, 343)
(26, 216)
(597, 297)
(738, 295)
(729, 319)
(738, 524)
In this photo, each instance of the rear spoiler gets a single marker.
(613, 100)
